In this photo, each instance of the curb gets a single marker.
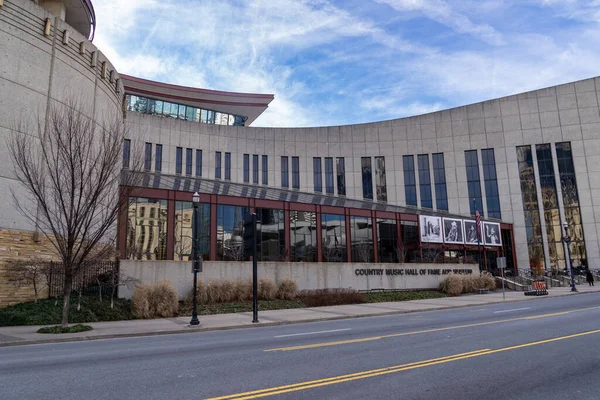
(266, 324)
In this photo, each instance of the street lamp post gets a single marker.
(567, 240)
(195, 261)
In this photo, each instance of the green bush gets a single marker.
(69, 329)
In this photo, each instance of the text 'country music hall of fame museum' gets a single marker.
(355, 193)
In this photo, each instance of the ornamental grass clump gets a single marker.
(267, 290)
(155, 301)
(452, 285)
(287, 289)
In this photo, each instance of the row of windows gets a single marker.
(329, 175)
(367, 178)
(285, 174)
(490, 181)
(187, 113)
(255, 172)
(423, 169)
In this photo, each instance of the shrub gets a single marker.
(287, 289)
(155, 301)
(213, 292)
(452, 285)
(140, 303)
(487, 281)
(267, 290)
(243, 290)
(330, 297)
(228, 292)
(164, 300)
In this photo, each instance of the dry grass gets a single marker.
(288, 289)
(267, 290)
(455, 285)
(243, 290)
(155, 301)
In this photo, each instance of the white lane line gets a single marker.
(312, 333)
(514, 309)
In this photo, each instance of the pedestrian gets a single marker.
(589, 277)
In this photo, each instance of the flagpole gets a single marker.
(478, 223)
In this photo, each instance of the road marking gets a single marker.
(387, 370)
(514, 309)
(311, 333)
(447, 328)
(349, 375)
(480, 309)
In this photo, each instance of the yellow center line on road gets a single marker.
(389, 370)
(447, 328)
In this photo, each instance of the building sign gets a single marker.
(411, 271)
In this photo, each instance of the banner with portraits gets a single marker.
(470, 232)
(431, 229)
(453, 231)
(491, 234)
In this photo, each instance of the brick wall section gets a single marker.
(19, 245)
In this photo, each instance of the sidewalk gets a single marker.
(20, 335)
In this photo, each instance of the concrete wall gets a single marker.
(307, 275)
(39, 71)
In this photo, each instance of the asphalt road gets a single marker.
(540, 349)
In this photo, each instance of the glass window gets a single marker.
(533, 226)
(247, 168)
(295, 173)
(126, 152)
(265, 170)
(329, 175)
(147, 231)
(158, 161)
(255, 168)
(410, 182)
(188, 161)
(303, 236)
(174, 110)
(491, 183)
(341, 176)
(424, 181)
(148, 157)
(228, 166)
(190, 112)
(198, 162)
(204, 116)
(387, 240)
(367, 177)
(178, 160)
(217, 165)
(239, 121)
(410, 233)
(182, 109)
(230, 233)
(361, 238)
(333, 238)
(473, 181)
(317, 174)
(380, 179)
(439, 179)
(184, 212)
(568, 184)
(270, 243)
(550, 207)
(285, 177)
(210, 117)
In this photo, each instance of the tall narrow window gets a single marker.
(492, 197)
(424, 181)
(568, 184)
(188, 161)
(198, 162)
(265, 170)
(439, 180)
(247, 168)
(158, 160)
(178, 160)
(550, 206)
(410, 182)
(473, 181)
(228, 166)
(329, 175)
(380, 179)
(317, 174)
(295, 172)
(285, 174)
(533, 226)
(255, 169)
(341, 176)
(148, 157)
(126, 152)
(217, 165)
(367, 177)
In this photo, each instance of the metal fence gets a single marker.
(92, 277)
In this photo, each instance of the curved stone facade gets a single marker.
(45, 62)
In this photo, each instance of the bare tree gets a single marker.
(364, 253)
(401, 253)
(431, 255)
(234, 251)
(31, 272)
(120, 279)
(71, 168)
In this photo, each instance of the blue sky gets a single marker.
(352, 61)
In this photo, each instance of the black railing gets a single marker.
(93, 276)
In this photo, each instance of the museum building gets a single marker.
(402, 190)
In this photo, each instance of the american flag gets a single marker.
(478, 218)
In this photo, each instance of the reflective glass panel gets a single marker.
(473, 181)
(333, 238)
(361, 235)
(387, 240)
(184, 213)
(367, 177)
(147, 229)
(317, 174)
(230, 233)
(424, 181)
(271, 235)
(410, 185)
(329, 175)
(247, 168)
(439, 179)
(341, 176)
(303, 236)
(380, 179)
